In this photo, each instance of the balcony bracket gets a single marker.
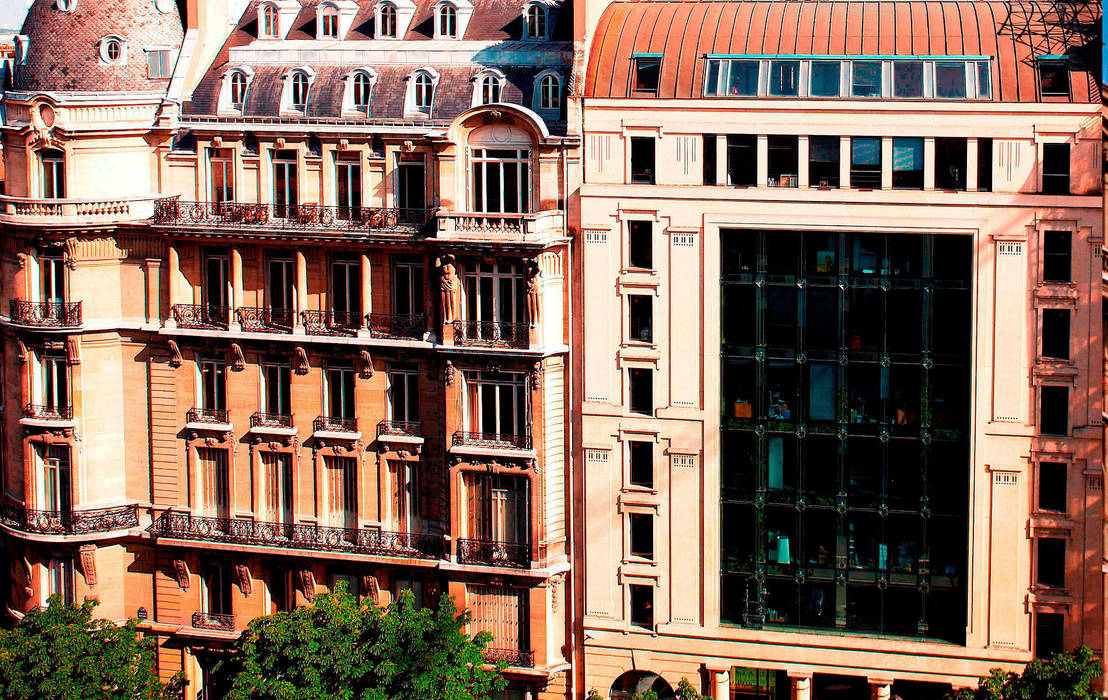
(87, 553)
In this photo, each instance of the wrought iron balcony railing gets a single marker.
(307, 217)
(516, 555)
(270, 420)
(45, 314)
(208, 415)
(397, 326)
(395, 427)
(501, 441)
(68, 522)
(512, 657)
(492, 334)
(300, 536)
(201, 316)
(262, 320)
(336, 424)
(45, 412)
(337, 323)
(213, 621)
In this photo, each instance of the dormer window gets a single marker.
(387, 20)
(270, 24)
(1054, 76)
(238, 90)
(329, 21)
(421, 92)
(362, 90)
(359, 91)
(66, 5)
(489, 87)
(299, 91)
(549, 93)
(113, 51)
(534, 22)
(448, 21)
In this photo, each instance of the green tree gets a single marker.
(1070, 676)
(342, 649)
(61, 652)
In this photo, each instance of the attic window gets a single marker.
(448, 21)
(550, 92)
(329, 22)
(299, 95)
(423, 93)
(238, 90)
(490, 87)
(534, 22)
(363, 87)
(387, 20)
(113, 51)
(66, 5)
(1054, 77)
(647, 69)
(269, 22)
(157, 63)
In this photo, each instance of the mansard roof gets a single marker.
(63, 46)
(1013, 34)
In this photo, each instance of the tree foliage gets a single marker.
(685, 691)
(61, 652)
(1067, 676)
(342, 649)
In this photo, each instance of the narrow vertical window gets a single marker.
(640, 245)
(534, 22)
(709, 163)
(550, 93)
(1052, 486)
(329, 22)
(640, 312)
(783, 160)
(1054, 407)
(448, 21)
(1050, 566)
(53, 174)
(363, 87)
(269, 21)
(424, 93)
(1056, 168)
(640, 390)
(823, 161)
(641, 467)
(647, 73)
(1057, 255)
(490, 90)
(642, 605)
(984, 165)
(642, 160)
(222, 162)
(908, 163)
(865, 163)
(238, 90)
(388, 21)
(950, 164)
(641, 526)
(742, 160)
(299, 94)
(1056, 334)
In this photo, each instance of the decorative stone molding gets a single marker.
(307, 584)
(73, 350)
(365, 365)
(372, 588)
(448, 373)
(300, 361)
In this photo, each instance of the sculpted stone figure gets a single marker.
(533, 274)
(449, 286)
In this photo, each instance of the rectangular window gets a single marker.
(642, 605)
(501, 180)
(215, 485)
(494, 295)
(348, 185)
(404, 395)
(222, 163)
(341, 476)
(641, 468)
(1054, 78)
(640, 245)
(52, 278)
(984, 81)
(1057, 255)
(950, 80)
(984, 165)
(640, 311)
(908, 163)
(1052, 486)
(277, 379)
(278, 486)
(53, 174)
(60, 580)
(742, 160)
(497, 508)
(1049, 634)
(281, 285)
(823, 161)
(503, 613)
(346, 291)
(497, 405)
(340, 392)
(865, 163)
(55, 384)
(866, 79)
(908, 79)
(1054, 408)
(826, 78)
(404, 494)
(282, 593)
(642, 160)
(1056, 168)
(784, 78)
(709, 159)
(641, 390)
(408, 288)
(784, 155)
(1056, 334)
(641, 526)
(286, 192)
(731, 78)
(157, 63)
(213, 385)
(57, 494)
(1050, 568)
(950, 164)
(647, 72)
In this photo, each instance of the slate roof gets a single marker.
(63, 53)
(1013, 33)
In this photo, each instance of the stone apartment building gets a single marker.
(840, 367)
(285, 292)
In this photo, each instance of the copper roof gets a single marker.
(1013, 33)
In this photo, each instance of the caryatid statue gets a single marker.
(449, 285)
(534, 272)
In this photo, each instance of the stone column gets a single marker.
(880, 689)
(801, 687)
(971, 165)
(153, 290)
(367, 296)
(762, 157)
(721, 685)
(886, 163)
(236, 287)
(802, 154)
(846, 150)
(300, 303)
(721, 159)
(173, 280)
(929, 163)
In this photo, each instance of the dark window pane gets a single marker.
(867, 79)
(908, 79)
(709, 160)
(640, 310)
(646, 74)
(825, 78)
(641, 526)
(1052, 486)
(639, 244)
(1050, 568)
(1049, 634)
(784, 78)
(823, 161)
(642, 605)
(641, 390)
(1057, 253)
(908, 163)
(1056, 168)
(950, 80)
(1054, 79)
(742, 160)
(739, 321)
(865, 163)
(642, 160)
(1054, 410)
(984, 165)
(950, 163)
(641, 469)
(1056, 333)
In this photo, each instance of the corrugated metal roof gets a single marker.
(1012, 33)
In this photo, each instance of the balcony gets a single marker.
(218, 418)
(277, 421)
(201, 316)
(68, 522)
(332, 323)
(514, 555)
(69, 212)
(299, 536)
(213, 621)
(335, 424)
(264, 320)
(494, 441)
(48, 413)
(515, 228)
(310, 218)
(492, 334)
(45, 314)
(396, 428)
(512, 657)
(397, 326)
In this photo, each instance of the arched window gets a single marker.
(112, 50)
(238, 89)
(448, 21)
(490, 89)
(329, 21)
(534, 22)
(424, 92)
(550, 92)
(269, 21)
(363, 87)
(388, 20)
(299, 91)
